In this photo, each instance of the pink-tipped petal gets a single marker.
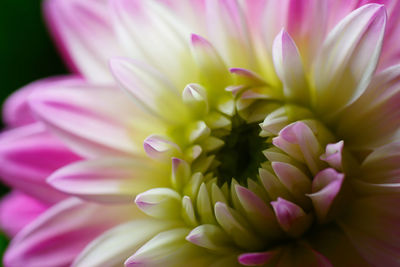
(348, 58)
(333, 155)
(72, 114)
(17, 210)
(59, 235)
(289, 67)
(29, 154)
(84, 35)
(291, 217)
(258, 258)
(159, 148)
(229, 32)
(325, 188)
(108, 180)
(150, 88)
(129, 236)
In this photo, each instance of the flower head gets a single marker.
(255, 133)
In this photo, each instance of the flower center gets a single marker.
(241, 155)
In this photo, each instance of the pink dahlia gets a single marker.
(209, 133)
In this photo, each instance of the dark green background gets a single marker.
(27, 52)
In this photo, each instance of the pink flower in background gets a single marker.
(209, 132)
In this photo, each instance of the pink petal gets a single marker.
(151, 32)
(16, 110)
(348, 58)
(333, 155)
(29, 154)
(258, 258)
(325, 187)
(291, 217)
(374, 118)
(372, 227)
(59, 234)
(72, 114)
(17, 210)
(159, 148)
(289, 67)
(84, 35)
(109, 180)
(150, 88)
(129, 236)
(382, 165)
(228, 31)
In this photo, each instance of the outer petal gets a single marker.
(16, 109)
(150, 88)
(118, 243)
(348, 58)
(29, 155)
(382, 165)
(75, 117)
(110, 180)
(17, 210)
(169, 249)
(84, 34)
(372, 227)
(152, 33)
(229, 32)
(58, 235)
(374, 118)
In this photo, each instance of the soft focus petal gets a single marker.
(17, 210)
(84, 35)
(117, 244)
(348, 58)
(59, 234)
(77, 115)
(109, 180)
(29, 155)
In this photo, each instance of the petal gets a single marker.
(258, 258)
(129, 237)
(59, 234)
(109, 180)
(333, 155)
(348, 58)
(289, 67)
(169, 248)
(150, 88)
(17, 210)
(291, 217)
(325, 187)
(258, 213)
(209, 236)
(374, 118)
(228, 31)
(382, 165)
(372, 227)
(161, 203)
(29, 154)
(84, 34)
(151, 32)
(74, 116)
(236, 227)
(16, 109)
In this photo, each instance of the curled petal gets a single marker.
(161, 203)
(325, 187)
(333, 155)
(291, 217)
(258, 258)
(160, 148)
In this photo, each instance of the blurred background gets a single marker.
(27, 53)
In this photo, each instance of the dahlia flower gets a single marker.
(209, 133)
